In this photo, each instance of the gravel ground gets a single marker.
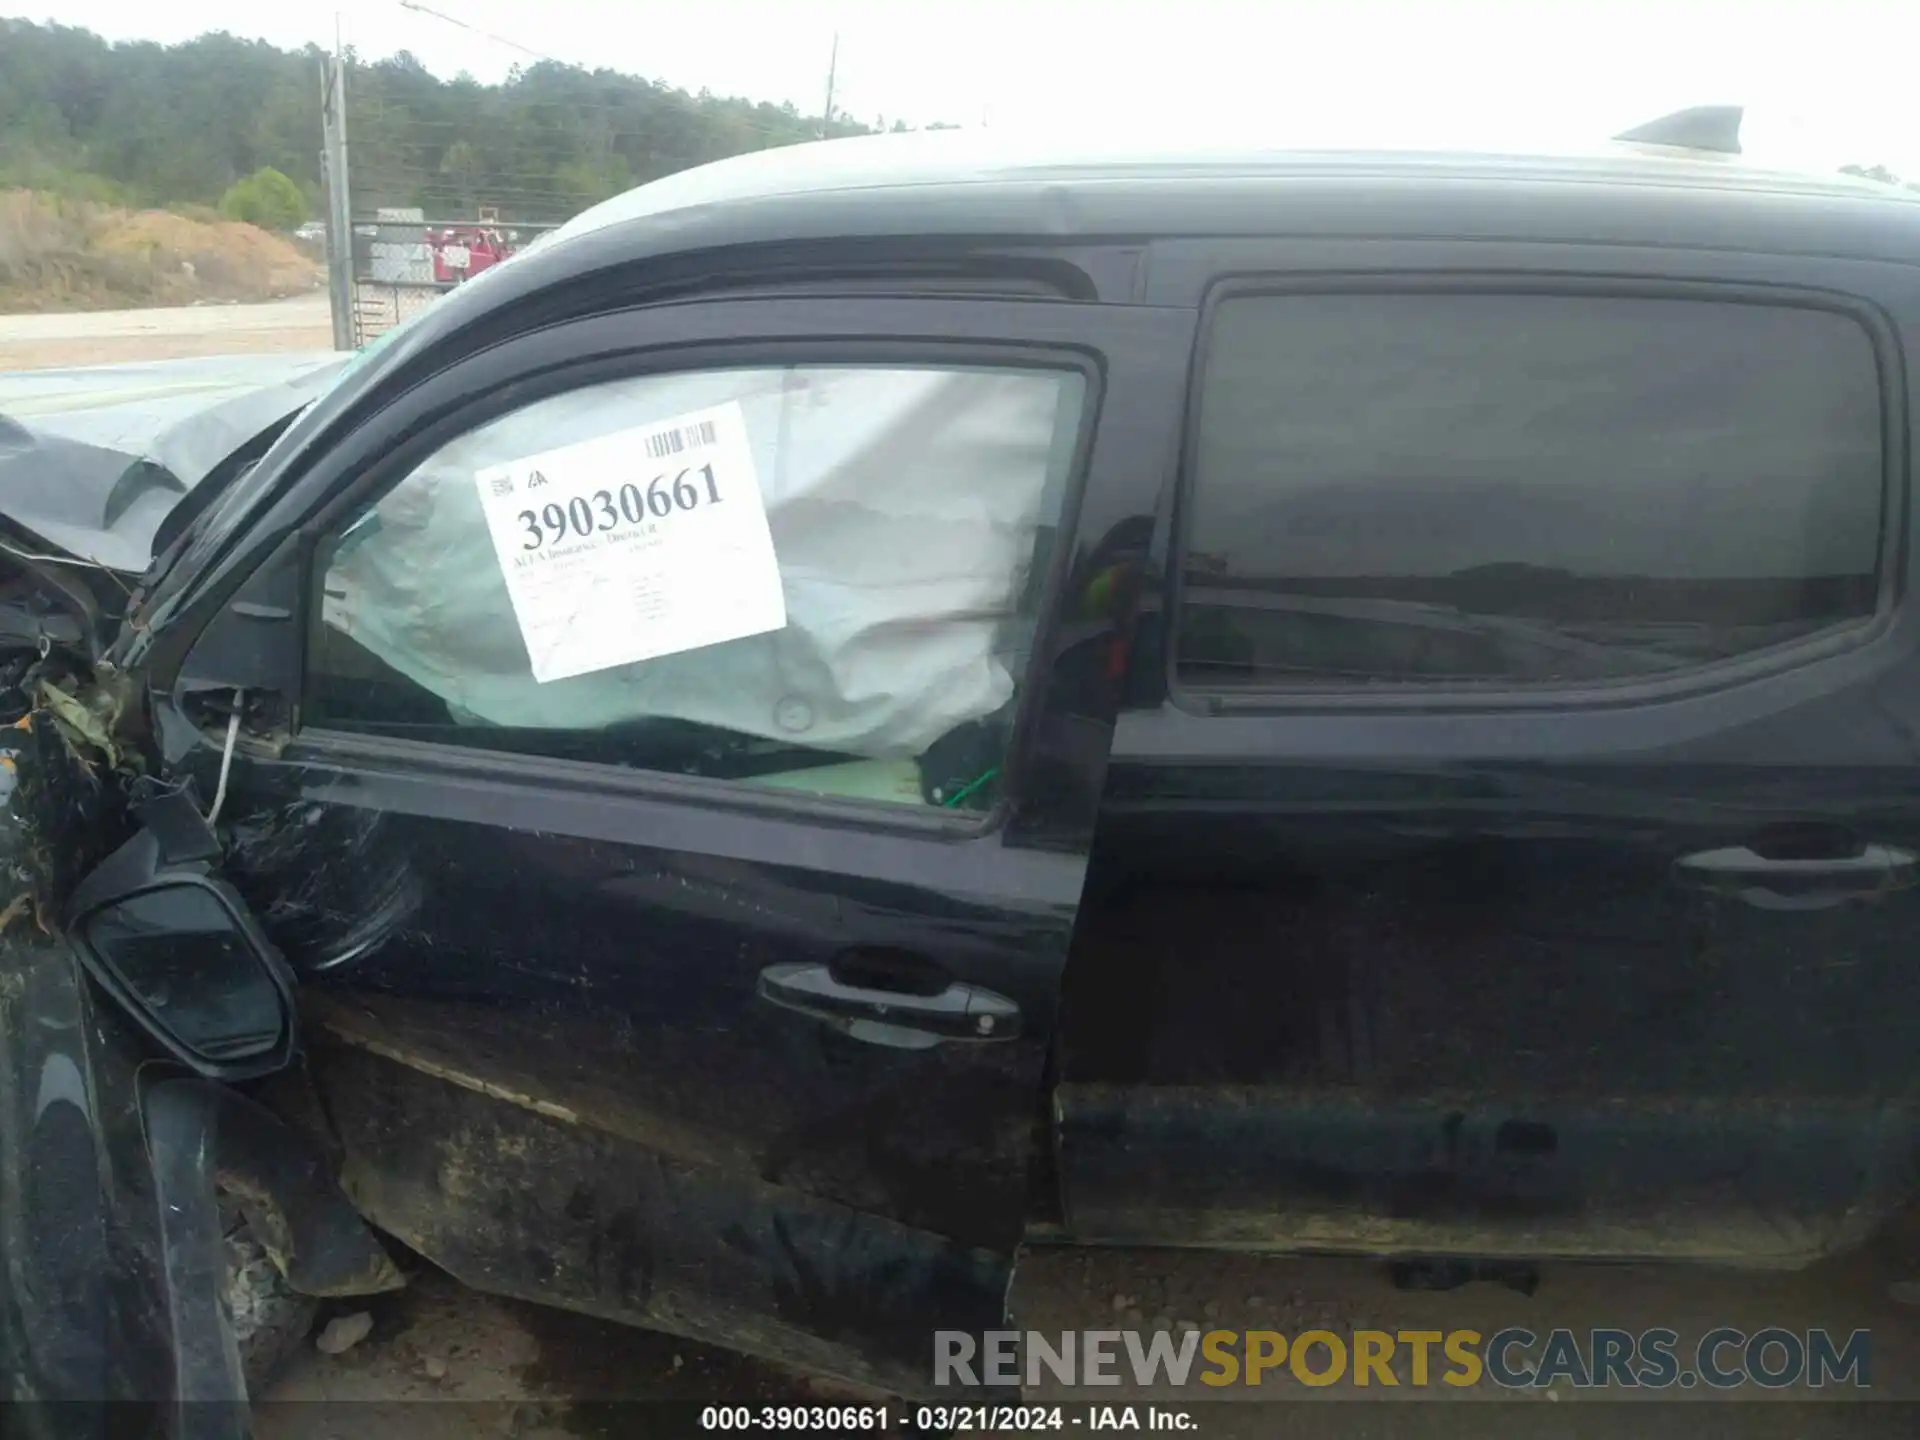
(110, 337)
(497, 1367)
(443, 1362)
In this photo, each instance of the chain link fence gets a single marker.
(404, 259)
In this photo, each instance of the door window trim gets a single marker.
(1455, 696)
(392, 466)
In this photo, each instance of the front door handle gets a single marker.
(1814, 883)
(892, 1017)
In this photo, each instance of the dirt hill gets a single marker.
(59, 254)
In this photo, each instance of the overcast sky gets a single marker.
(1825, 83)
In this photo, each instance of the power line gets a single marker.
(476, 30)
(508, 107)
(425, 130)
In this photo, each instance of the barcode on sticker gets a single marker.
(684, 437)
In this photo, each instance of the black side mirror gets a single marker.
(175, 946)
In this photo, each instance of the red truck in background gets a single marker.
(462, 251)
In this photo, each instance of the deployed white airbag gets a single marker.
(903, 506)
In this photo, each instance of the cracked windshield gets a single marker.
(1015, 718)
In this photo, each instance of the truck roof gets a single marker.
(889, 168)
(959, 184)
(979, 187)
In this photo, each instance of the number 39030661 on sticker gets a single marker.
(636, 544)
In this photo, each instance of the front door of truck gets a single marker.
(681, 935)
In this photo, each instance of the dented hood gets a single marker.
(93, 460)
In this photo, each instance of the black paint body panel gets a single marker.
(1327, 938)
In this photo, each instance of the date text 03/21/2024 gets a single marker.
(941, 1419)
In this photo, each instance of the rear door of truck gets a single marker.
(1516, 852)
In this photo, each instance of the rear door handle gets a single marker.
(892, 1017)
(1800, 884)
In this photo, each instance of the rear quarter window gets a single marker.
(1434, 488)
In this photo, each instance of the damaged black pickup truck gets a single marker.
(870, 705)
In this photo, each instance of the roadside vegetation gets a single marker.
(58, 252)
(141, 124)
(136, 173)
(265, 198)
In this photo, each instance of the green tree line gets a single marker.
(141, 123)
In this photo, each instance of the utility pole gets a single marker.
(833, 64)
(333, 164)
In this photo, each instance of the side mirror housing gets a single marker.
(176, 948)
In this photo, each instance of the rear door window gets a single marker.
(1443, 488)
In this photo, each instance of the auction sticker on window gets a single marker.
(633, 545)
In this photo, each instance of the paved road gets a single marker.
(107, 337)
